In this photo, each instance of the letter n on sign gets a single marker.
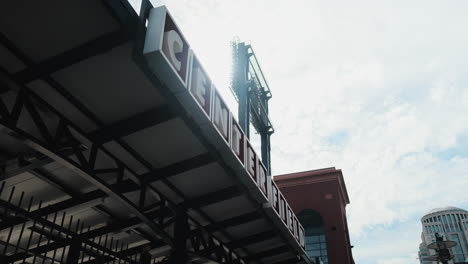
(237, 140)
(220, 117)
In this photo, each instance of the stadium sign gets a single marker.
(169, 56)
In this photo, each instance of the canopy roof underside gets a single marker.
(93, 137)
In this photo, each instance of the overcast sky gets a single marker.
(375, 88)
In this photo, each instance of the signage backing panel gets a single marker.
(170, 57)
(166, 49)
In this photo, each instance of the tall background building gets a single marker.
(452, 223)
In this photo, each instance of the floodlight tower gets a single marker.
(251, 90)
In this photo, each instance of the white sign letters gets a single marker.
(169, 55)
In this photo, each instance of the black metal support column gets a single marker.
(145, 258)
(242, 82)
(266, 158)
(181, 233)
(74, 252)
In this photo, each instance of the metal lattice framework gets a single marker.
(251, 89)
(75, 189)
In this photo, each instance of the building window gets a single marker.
(315, 237)
(459, 257)
(444, 219)
(454, 221)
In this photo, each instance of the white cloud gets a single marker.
(375, 88)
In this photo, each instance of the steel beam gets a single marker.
(179, 167)
(211, 198)
(81, 168)
(289, 261)
(234, 221)
(84, 51)
(256, 238)
(181, 233)
(268, 253)
(133, 124)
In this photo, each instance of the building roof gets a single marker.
(316, 176)
(442, 209)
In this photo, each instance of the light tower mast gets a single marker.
(251, 89)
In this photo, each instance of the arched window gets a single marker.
(316, 246)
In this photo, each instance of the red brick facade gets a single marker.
(325, 192)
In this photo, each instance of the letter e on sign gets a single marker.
(221, 116)
(200, 86)
(251, 163)
(175, 48)
(262, 182)
(237, 141)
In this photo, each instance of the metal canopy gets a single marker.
(99, 161)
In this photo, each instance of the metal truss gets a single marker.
(54, 138)
(77, 150)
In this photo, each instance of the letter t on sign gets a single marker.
(221, 116)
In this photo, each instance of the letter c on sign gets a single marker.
(175, 45)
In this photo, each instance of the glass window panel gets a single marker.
(315, 253)
(322, 238)
(323, 252)
(323, 245)
(454, 223)
(438, 218)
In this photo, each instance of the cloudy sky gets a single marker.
(378, 89)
